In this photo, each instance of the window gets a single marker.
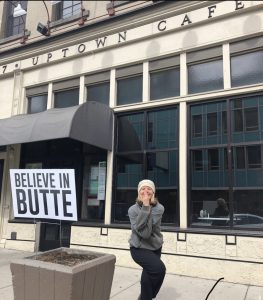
(37, 104)
(240, 157)
(147, 147)
(212, 123)
(212, 178)
(205, 70)
(99, 92)
(246, 61)
(251, 119)
(213, 159)
(238, 119)
(66, 93)
(129, 90)
(254, 157)
(164, 78)
(198, 160)
(98, 87)
(224, 121)
(66, 9)
(197, 126)
(206, 76)
(36, 99)
(15, 25)
(66, 98)
(247, 68)
(129, 85)
(165, 84)
(246, 115)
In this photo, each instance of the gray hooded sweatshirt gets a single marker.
(146, 226)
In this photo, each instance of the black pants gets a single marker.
(153, 271)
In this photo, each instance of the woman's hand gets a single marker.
(146, 199)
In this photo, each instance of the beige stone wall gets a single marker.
(200, 255)
(25, 239)
(6, 99)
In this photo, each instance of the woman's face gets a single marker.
(146, 191)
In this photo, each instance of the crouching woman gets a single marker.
(146, 239)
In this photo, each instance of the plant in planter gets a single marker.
(63, 274)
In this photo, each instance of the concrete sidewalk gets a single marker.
(126, 285)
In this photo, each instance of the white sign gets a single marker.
(44, 193)
(101, 180)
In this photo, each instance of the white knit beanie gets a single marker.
(146, 182)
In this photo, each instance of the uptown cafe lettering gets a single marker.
(120, 37)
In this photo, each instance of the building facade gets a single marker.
(166, 90)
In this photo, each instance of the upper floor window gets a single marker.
(98, 87)
(37, 99)
(205, 70)
(66, 98)
(164, 78)
(247, 62)
(66, 93)
(37, 104)
(14, 25)
(247, 68)
(129, 85)
(66, 9)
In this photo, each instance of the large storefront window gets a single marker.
(226, 167)
(147, 147)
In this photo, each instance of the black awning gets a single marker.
(90, 122)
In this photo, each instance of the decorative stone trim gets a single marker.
(231, 240)
(181, 236)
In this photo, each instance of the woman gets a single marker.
(146, 239)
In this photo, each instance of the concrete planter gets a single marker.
(39, 280)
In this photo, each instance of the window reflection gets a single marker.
(197, 126)
(130, 132)
(210, 172)
(147, 147)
